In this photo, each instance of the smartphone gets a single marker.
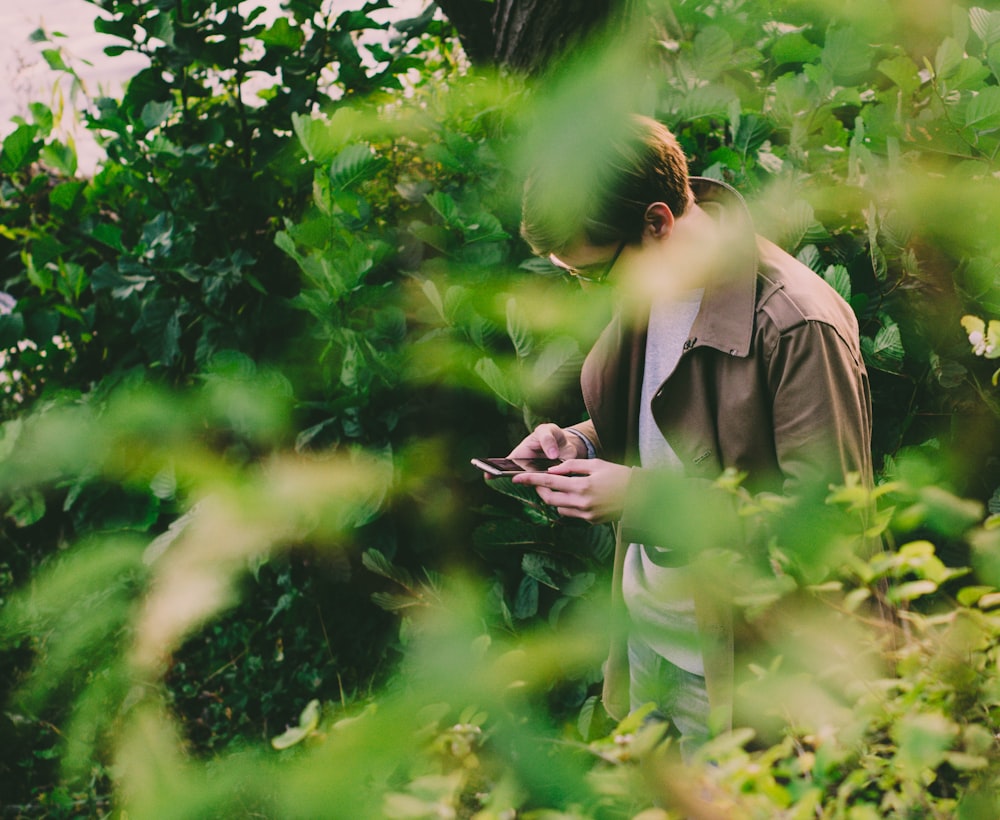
(513, 466)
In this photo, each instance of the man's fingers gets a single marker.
(573, 466)
(551, 480)
(551, 439)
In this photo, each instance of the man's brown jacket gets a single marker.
(771, 382)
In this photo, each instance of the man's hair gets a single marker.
(640, 165)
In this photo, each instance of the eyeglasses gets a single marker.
(586, 273)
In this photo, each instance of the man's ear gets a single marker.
(658, 220)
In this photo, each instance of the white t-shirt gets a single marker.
(659, 599)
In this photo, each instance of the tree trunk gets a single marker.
(525, 35)
(530, 33)
(473, 20)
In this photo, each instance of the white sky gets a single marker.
(29, 79)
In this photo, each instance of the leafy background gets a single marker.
(246, 361)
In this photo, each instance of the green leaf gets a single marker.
(922, 741)
(164, 484)
(948, 58)
(948, 513)
(847, 53)
(839, 279)
(41, 277)
(60, 157)
(963, 762)
(526, 600)
(948, 373)
(19, 149)
(11, 329)
(110, 235)
(810, 257)
(72, 280)
(434, 235)
(433, 295)
(794, 48)
(752, 132)
(445, 206)
(506, 532)
(308, 721)
(536, 566)
(986, 25)
(53, 56)
(886, 349)
(394, 603)
(160, 27)
(903, 72)
(578, 584)
(561, 356)
(42, 115)
(518, 331)
(713, 51)
(484, 228)
(968, 596)
(983, 110)
(282, 34)
(489, 371)
(28, 508)
(66, 194)
(128, 278)
(706, 101)
(155, 113)
(912, 590)
(374, 561)
(354, 164)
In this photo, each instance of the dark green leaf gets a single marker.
(19, 149)
(65, 195)
(537, 566)
(526, 600)
(282, 34)
(11, 329)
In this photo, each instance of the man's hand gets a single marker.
(588, 488)
(550, 441)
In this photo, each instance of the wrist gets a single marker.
(584, 446)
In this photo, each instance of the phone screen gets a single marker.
(511, 466)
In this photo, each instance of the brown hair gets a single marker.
(642, 165)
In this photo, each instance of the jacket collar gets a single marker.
(726, 317)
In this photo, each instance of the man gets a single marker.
(725, 352)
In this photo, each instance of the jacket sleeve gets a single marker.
(821, 407)
(589, 432)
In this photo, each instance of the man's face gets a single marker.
(589, 263)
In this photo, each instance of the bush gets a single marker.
(247, 360)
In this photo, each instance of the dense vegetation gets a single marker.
(246, 570)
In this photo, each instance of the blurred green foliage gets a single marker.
(246, 570)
